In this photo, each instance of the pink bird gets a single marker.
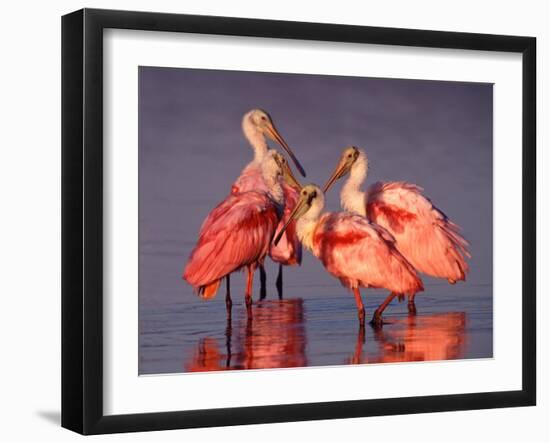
(423, 233)
(289, 250)
(237, 234)
(256, 125)
(357, 252)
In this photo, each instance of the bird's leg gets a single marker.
(279, 282)
(377, 316)
(262, 283)
(248, 343)
(360, 307)
(228, 335)
(228, 302)
(411, 305)
(248, 294)
(358, 354)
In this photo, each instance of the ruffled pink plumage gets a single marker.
(360, 253)
(251, 179)
(423, 234)
(236, 233)
(288, 251)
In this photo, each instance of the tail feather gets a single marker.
(459, 250)
(210, 290)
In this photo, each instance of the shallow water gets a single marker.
(310, 331)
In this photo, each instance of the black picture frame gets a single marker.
(82, 220)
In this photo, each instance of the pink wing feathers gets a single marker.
(360, 253)
(236, 233)
(424, 234)
(289, 249)
(251, 179)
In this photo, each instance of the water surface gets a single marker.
(315, 331)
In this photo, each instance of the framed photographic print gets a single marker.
(269, 221)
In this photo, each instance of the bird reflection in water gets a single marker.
(416, 338)
(272, 337)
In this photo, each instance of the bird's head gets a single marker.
(348, 158)
(311, 201)
(276, 166)
(260, 121)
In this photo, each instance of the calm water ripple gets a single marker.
(298, 332)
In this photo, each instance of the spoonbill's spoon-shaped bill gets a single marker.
(307, 194)
(286, 173)
(268, 128)
(348, 157)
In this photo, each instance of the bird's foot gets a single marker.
(377, 321)
(412, 308)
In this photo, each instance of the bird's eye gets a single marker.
(350, 155)
(264, 118)
(304, 192)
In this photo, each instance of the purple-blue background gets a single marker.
(191, 148)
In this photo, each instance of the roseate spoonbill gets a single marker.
(237, 234)
(289, 250)
(352, 249)
(257, 124)
(423, 233)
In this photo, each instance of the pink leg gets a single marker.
(377, 317)
(360, 307)
(358, 354)
(249, 281)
